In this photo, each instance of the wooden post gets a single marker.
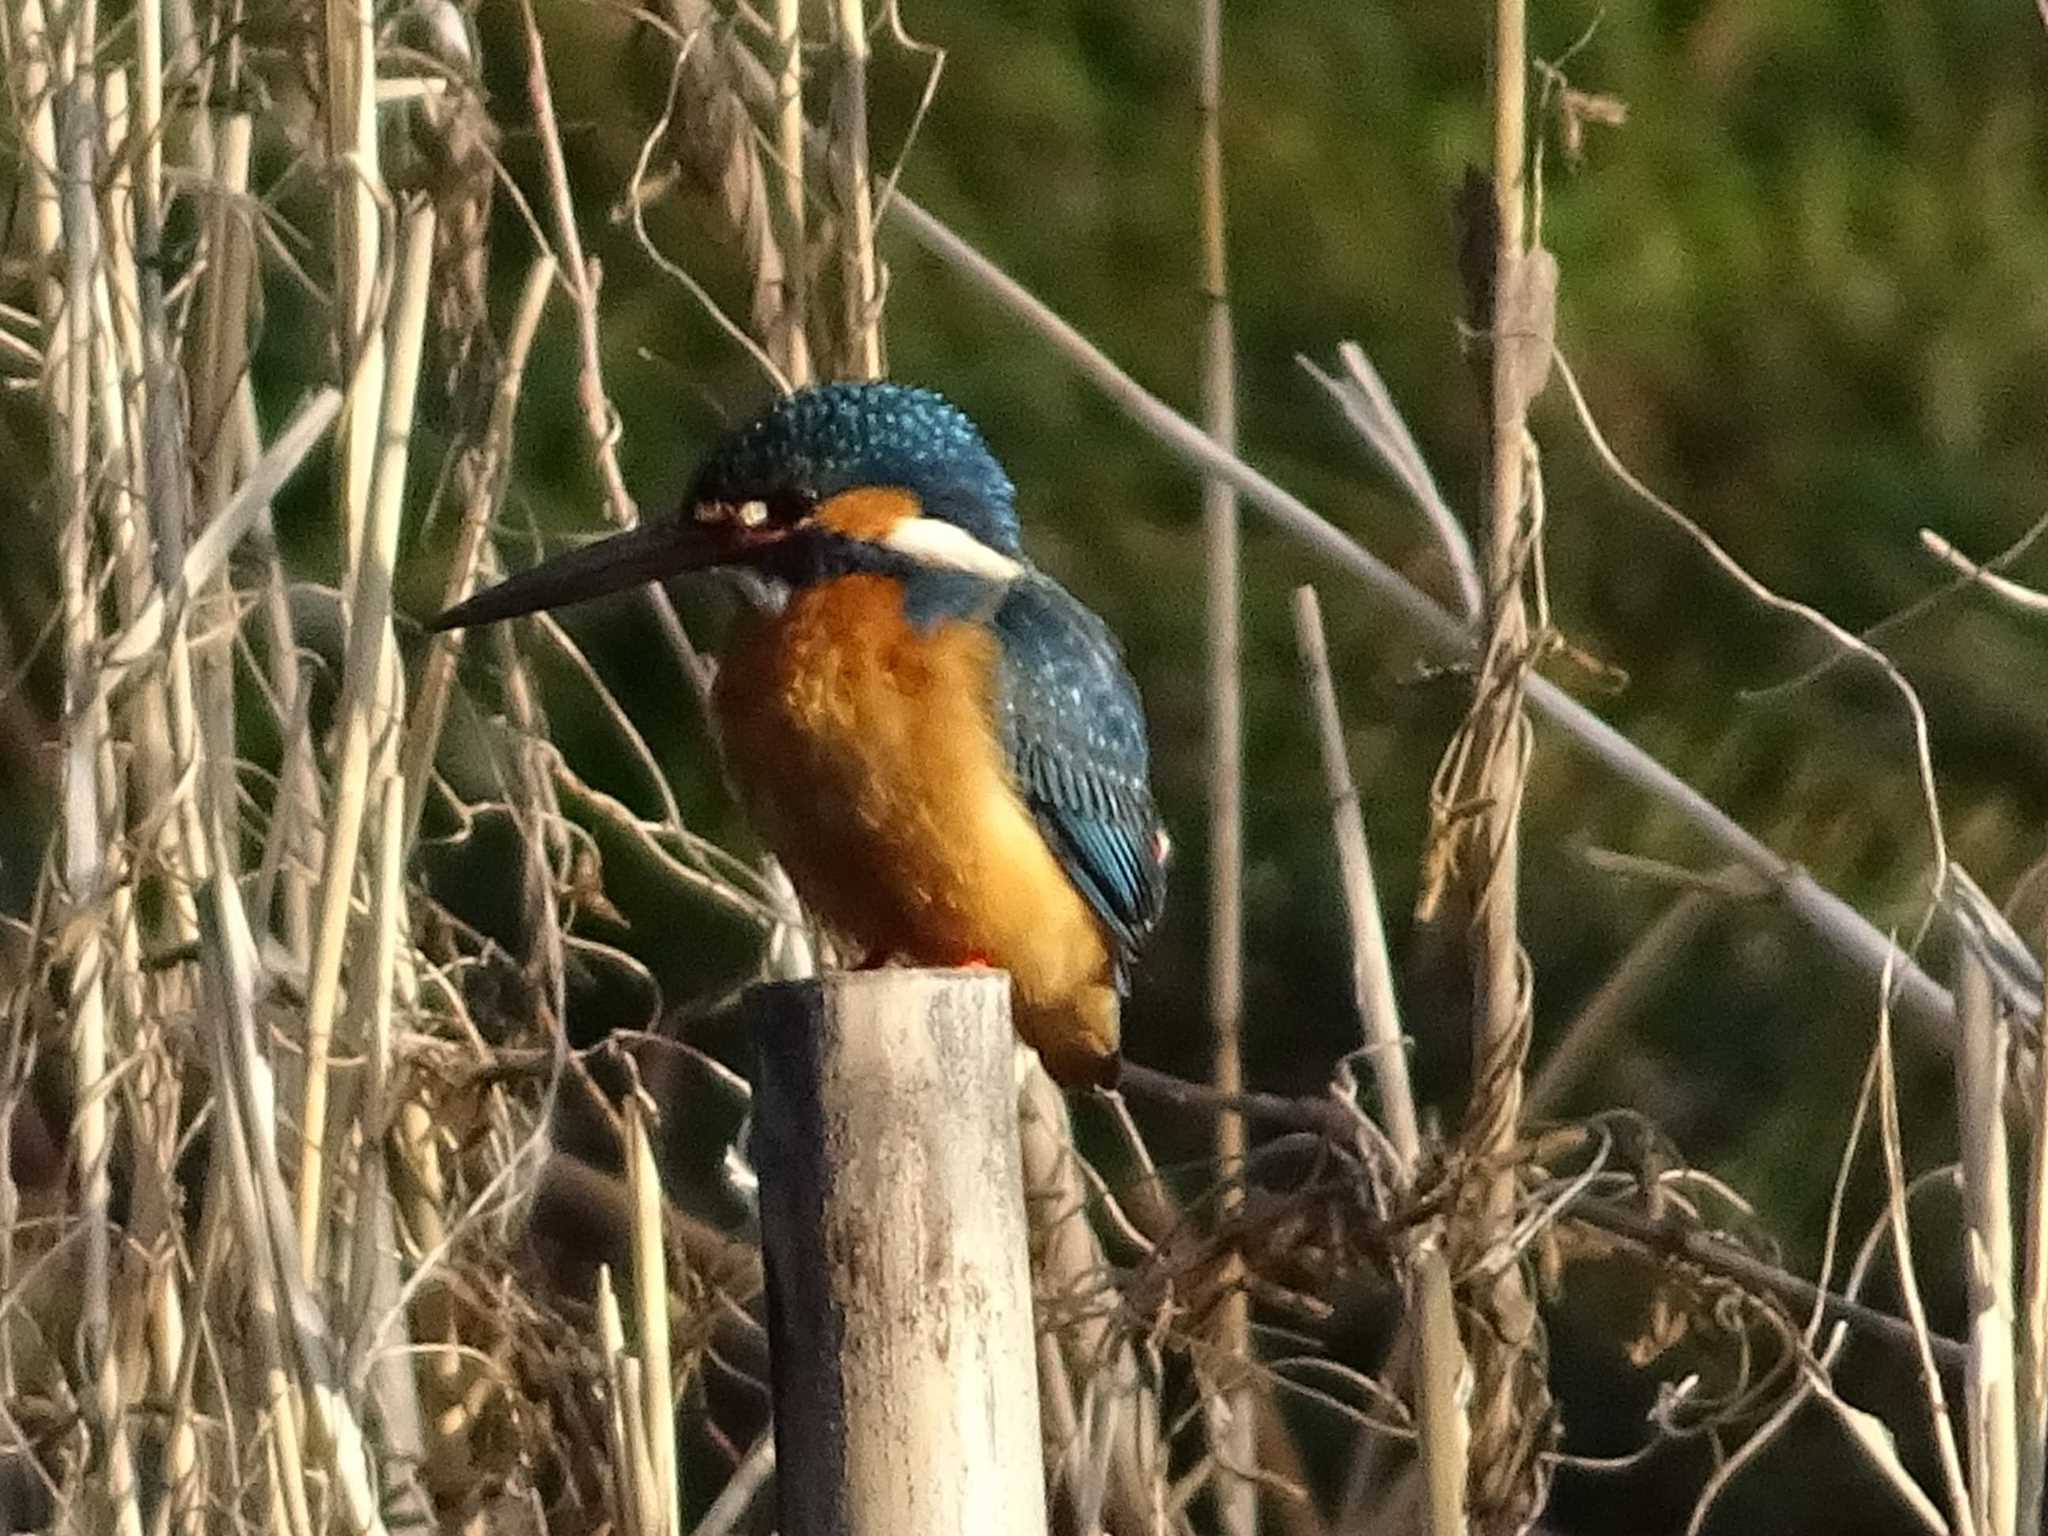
(899, 1286)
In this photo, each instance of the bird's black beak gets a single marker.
(652, 552)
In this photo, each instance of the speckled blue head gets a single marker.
(751, 511)
(830, 438)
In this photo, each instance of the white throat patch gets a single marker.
(935, 542)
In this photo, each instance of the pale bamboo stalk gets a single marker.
(1441, 1370)
(893, 1231)
(118, 363)
(793, 356)
(1232, 1413)
(183, 1509)
(263, 1208)
(650, 1297)
(631, 1477)
(224, 310)
(370, 709)
(87, 828)
(1936, 1396)
(351, 58)
(149, 122)
(351, 121)
(850, 186)
(204, 674)
(373, 987)
(2033, 1346)
(1990, 1406)
(1372, 974)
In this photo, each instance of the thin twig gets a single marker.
(1231, 1412)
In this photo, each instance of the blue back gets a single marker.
(1073, 729)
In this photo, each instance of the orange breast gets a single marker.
(867, 755)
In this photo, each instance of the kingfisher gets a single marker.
(941, 744)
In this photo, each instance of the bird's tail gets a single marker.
(1077, 1037)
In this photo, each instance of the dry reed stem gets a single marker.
(794, 353)
(640, 1500)
(1990, 1403)
(1231, 1411)
(370, 710)
(650, 1298)
(141, 639)
(1372, 974)
(351, 122)
(374, 974)
(862, 293)
(1369, 406)
(2032, 1408)
(1486, 768)
(1954, 1482)
(87, 786)
(1440, 1368)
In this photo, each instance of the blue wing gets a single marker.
(1074, 732)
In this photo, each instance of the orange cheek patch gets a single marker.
(869, 512)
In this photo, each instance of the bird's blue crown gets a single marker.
(830, 438)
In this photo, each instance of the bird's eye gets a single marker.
(751, 514)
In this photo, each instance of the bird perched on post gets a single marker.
(940, 743)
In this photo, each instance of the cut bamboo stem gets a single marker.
(892, 1217)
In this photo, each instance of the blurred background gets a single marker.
(1805, 285)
